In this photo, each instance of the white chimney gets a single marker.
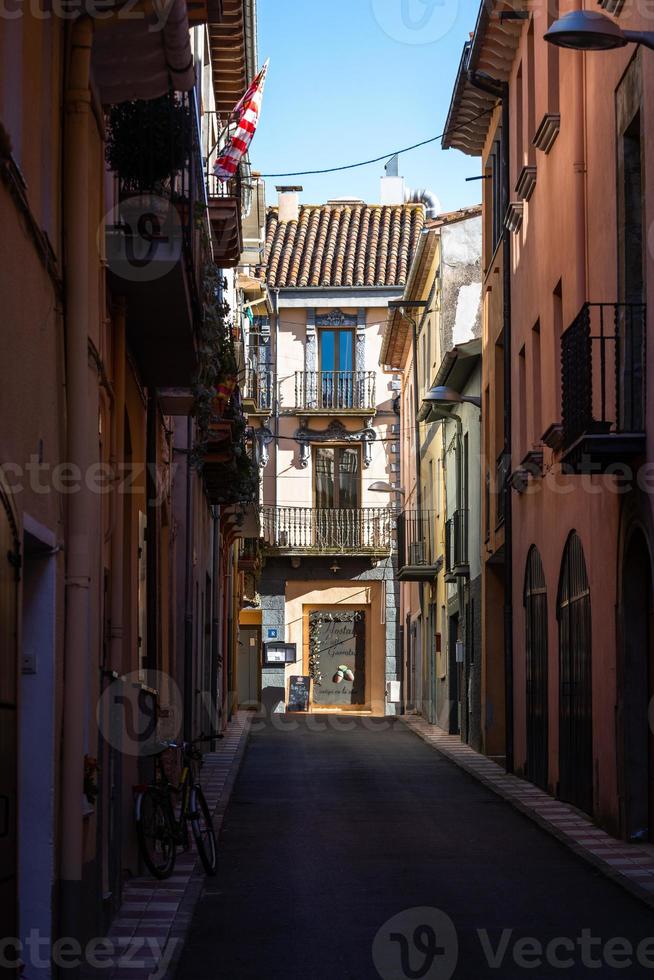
(289, 203)
(392, 186)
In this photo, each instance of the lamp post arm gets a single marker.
(646, 38)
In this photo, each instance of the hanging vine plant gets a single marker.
(216, 361)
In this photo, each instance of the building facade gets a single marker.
(433, 339)
(119, 575)
(565, 331)
(328, 584)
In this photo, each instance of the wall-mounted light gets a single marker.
(588, 30)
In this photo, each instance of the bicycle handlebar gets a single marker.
(185, 746)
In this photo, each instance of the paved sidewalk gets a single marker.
(150, 926)
(629, 865)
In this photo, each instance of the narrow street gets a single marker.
(335, 826)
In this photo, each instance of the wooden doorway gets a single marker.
(575, 679)
(535, 601)
(637, 690)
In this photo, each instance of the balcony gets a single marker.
(224, 201)
(335, 392)
(456, 546)
(229, 471)
(258, 391)
(154, 240)
(604, 387)
(417, 560)
(306, 531)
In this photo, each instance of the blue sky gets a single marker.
(352, 79)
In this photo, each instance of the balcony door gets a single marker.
(336, 353)
(337, 477)
(337, 495)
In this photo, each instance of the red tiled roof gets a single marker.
(343, 244)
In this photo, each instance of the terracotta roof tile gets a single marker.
(343, 244)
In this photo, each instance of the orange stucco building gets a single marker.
(564, 139)
(119, 575)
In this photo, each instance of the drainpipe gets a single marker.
(152, 532)
(117, 534)
(188, 591)
(500, 90)
(77, 101)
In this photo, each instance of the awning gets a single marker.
(142, 51)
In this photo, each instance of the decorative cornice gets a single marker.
(514, 216)
(336, 318)
(526, 182)
(335, 432)
(547, 132)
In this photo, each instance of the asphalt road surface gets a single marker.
(351, 850)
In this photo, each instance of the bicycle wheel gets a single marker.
(203, 832)
(155, 833)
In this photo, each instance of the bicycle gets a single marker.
(159, 830)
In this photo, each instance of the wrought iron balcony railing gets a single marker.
(258, 388)
(335, 391)
(416, 546)
(305, 530)
(225, 214)
(456, 545)
(603, 362)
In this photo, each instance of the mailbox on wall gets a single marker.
(279, 653)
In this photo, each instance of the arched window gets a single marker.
(535, 601)
(575, 679)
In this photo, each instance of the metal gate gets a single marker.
(535, 601)
(9, 571)
(575, 680)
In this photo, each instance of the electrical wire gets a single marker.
(384, 156)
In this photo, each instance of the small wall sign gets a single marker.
(272, 634)
(279, 653)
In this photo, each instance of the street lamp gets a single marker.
(442, 396)
(381, 486)
(586, 30)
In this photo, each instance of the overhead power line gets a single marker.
(383, 156)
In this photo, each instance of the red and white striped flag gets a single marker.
(246, 114)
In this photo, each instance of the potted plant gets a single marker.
(148, 145)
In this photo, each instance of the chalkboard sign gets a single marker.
(298, 694)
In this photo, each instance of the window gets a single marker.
(519, 121)
(337, 472)
(557, 322)
(552, 62)
(522, 402)
(336, 350)
(530, 154)
(493, 188)
(632, 231)
(337, 382)
(537, 422)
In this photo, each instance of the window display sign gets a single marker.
(337, 656)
